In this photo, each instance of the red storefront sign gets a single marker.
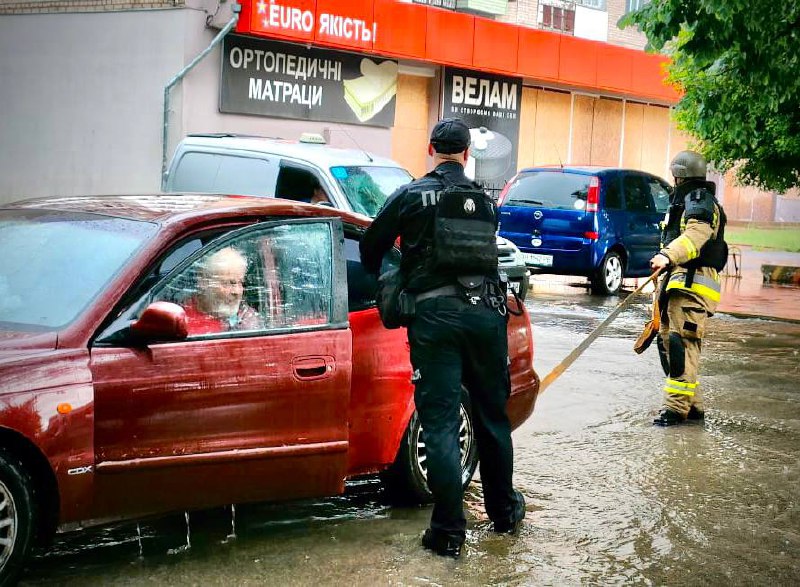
(434, 35)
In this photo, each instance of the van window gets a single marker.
(296, 183)
(637, 194)
(613, 195)
(368, 187)
(659, 192)
(551, 189)
(226, 174)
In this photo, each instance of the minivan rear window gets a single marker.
(549, 189)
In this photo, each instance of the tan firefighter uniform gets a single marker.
(688, 308)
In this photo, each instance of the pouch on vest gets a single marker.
(464, 240)
(395, 306)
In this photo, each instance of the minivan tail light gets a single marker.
(591, 235)
(593, 195)
(504, 192)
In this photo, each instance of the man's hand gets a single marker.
(659, 262)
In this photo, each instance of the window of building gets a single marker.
(596, 4)
(558, 17)
(631, 5)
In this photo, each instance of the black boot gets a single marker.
(695, 414)
(442, 544)
(668, 418)
(511, 525)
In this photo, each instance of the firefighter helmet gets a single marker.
(688, 164)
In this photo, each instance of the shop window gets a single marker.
(559, 17)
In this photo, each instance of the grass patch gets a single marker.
(781, 239)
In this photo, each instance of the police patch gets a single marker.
(469, 206)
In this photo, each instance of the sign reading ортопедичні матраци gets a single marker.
(297, 19)
(269, 78)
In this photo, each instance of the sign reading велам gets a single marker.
(490, 106)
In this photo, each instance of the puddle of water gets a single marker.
(612, 500)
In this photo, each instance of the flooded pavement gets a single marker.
(611, 499)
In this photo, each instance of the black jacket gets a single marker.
(409, 213)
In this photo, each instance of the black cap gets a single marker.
(450, 135)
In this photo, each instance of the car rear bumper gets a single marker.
(582, 261)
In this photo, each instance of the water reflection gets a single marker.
(612, 500)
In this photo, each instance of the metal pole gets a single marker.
(236, 8)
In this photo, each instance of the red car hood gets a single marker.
(16, 343)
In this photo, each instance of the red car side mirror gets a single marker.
(161, 321)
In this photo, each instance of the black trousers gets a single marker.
(453, 341)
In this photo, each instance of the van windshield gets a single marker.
(367, 187)
(549, 189)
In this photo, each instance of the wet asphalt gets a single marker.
(611, 499)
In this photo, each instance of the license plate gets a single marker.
(538, 260)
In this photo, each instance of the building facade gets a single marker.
(547, 81)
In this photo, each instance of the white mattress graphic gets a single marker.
(367, 95)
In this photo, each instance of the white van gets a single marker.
(350, 179)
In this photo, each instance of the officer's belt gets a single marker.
(445, 290)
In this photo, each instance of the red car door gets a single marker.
(253, 405)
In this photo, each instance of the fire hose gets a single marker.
(559, 369)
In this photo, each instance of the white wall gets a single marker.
(81, 100)
(591, 24)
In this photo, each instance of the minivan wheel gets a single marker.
(406, 480)
(608, 278)
(18, 517)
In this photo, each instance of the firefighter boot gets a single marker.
(668, 418)
(695, 414)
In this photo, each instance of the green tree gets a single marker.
(738, 65)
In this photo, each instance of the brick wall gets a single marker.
(526, 13)
(627, 37)
(522, 12)
(51, 6)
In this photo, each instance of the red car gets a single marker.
(126, 389)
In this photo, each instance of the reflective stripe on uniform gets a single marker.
(680, 387)
(685, 242)
(702, 285)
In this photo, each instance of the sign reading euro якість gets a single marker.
(354, 26)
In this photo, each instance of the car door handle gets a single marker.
(312, 367)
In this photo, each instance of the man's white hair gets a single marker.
(223, 259)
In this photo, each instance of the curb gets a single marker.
(782, 274)
(748, 316)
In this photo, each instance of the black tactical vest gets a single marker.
(464, 239)
(713, 253)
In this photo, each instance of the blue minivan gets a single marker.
(602, 223)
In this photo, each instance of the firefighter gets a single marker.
(457, 332)
(693, 253)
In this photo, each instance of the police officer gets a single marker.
(454, 337)
(693, 252)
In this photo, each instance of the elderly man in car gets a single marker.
(218, 305)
